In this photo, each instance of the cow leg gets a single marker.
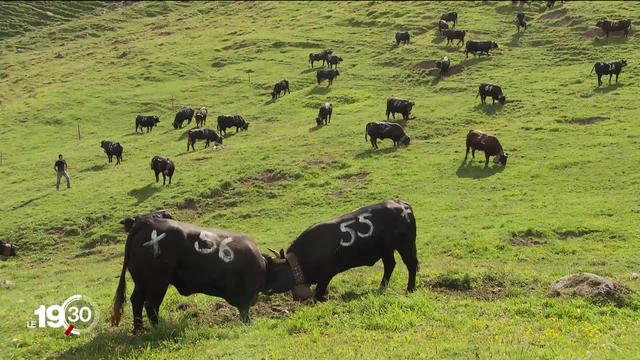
(373, 143)
(164, 179)
(410, 259)
(137, 301)
(321, 290)
(617, 77)
(486, 161)
(389, 262)
(244, 314)
(154, 297)
(466, 154)
(599, 81)
(610, 75)
(473, 153)
(157, 178)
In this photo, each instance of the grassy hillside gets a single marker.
(568, 193)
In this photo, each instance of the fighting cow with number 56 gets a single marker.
(359, 238)
(160, 251)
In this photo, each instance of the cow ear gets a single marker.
(282, 253)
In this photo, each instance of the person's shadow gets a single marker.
(477, 171)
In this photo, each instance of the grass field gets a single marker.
(490, 240)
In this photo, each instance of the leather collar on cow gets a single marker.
(298, 275)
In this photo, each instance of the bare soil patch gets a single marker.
(556, 14)
(590, 286)
(432, 70)
(221, 313)
(565, 234)
(528, 237)
(586, 121)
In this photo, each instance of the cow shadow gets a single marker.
(122, 344)
(468, 171)
(95, 168)
(489, 108)
(375, 152)
(135, 134)
(319, 90)
(184, 135)
(270, 101)
(613, 39)
(228, 134)
(515, 39)
(309, 70)
(475, 60)
(145, 192)
(438, 39)
(605, 88)
(316, 128)
(27, 202)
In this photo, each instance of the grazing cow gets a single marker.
(451, 16)
(359, 238)
(402, 37)
(164, 165)
(386, 130)
(324, 56)
(160, 252)
(7, 249)
(479, 46)
(329, 74)
(143, 121)
(229, 121)
(443, 65)
(494, 91)
(202, 134)
(455, 35)
(324, 114)
(478, 140)
(181, 116)
(609, 26)
(612, 68)
(280, 87)
(442, 26)
(520, 22)
(401, 106)
(201, 116)
(334, 60)
(112, 149)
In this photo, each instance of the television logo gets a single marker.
(76, 314)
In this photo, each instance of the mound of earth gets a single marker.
(590, 286)
(430, 66)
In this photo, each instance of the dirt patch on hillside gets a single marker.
(428, 67)
(221, 313)
(590, 286)
(267, 177)
(556, 14)
(566, 234)
(487, 287)
(586, 121)
(528, 237)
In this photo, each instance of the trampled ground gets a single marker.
(489, 240)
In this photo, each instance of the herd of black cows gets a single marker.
(161, 251)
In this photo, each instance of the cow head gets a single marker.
(410, 105)
(318, 121)
(502, 159)
(156, 119)
(104, 144)
(337, 72)
(279, 274)
(7, 249)
(245, 126)
(339, 59)
(273, 95)
(158, 214)
(502, 99)
(494, 45)
(176, 125)
(405, 140)
(600, 23)
(623, 63)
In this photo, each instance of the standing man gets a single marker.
(61, 169)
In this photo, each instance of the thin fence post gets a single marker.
(78, 131)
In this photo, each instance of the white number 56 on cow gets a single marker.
(344, 227)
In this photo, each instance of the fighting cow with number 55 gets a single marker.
(160, 251)
(359, 238)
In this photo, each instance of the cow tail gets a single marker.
(120, 298)
(478, 94)
(365, 134)
(593, 68)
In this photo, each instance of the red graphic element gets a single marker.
(69, 329)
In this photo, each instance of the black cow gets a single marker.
(144, 121)
(402, 37)
(479, 46)
(401, 106)
(612, 68)
(159, 214)
(181, 116)
(443, 65)
(442, 26)
(324, 114)
(455, 35)
(228, 121)
(324, 56)
(520, 22)
(334, 60)
(494, 91)
(160, 252)
(329, 74)
(280, 87)
(386, 130)
(478, 140)
(609, 26)
(164, 165)
(452, 16)
(112, 149)
(201, 116)
(7, 249)
(202, 134)
(359, 238)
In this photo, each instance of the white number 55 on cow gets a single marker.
(76, 315)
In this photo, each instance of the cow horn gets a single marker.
(275, 252)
